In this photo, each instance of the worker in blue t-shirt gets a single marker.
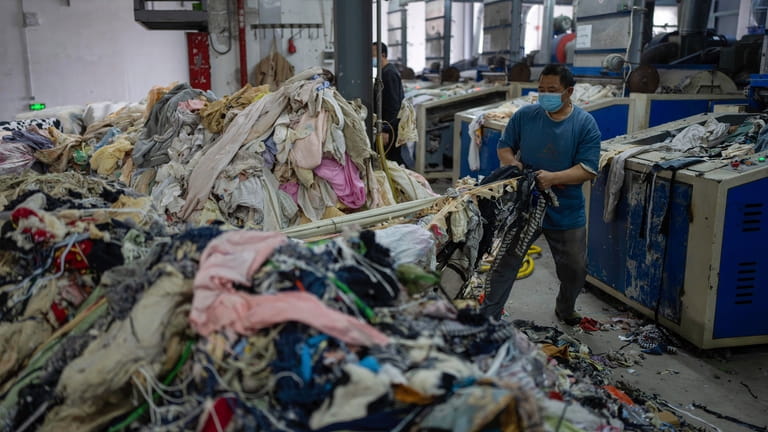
(562, 142)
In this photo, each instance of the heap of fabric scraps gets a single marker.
(113, 323)
(257, 159)
(60, 235)
(296, 155)
(18, 148)
(220, 113)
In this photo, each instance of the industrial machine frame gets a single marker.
(655, 109)
(448, 107)
(705, 278)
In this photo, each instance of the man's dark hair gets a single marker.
(383, 51)
(565, 74)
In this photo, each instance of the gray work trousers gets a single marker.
(569, 250)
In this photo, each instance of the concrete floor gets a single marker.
(713, 378)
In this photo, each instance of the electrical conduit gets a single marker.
(241, 40)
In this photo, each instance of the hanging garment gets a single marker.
(272, 70)
(406, 129)
(475, 140)
(615, 180)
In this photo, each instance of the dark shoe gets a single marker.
(571, 319)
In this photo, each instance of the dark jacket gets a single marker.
(391, 98)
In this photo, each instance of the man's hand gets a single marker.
(546, 179)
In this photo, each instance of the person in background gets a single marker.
(562, 142)
(391, 98)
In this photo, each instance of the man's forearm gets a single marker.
(507, 157)
(576, 174)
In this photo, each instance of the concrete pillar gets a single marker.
(352, 36)
(516, 32)
(448, 12)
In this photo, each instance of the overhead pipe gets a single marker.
(635, 46)
(27, 55)
(241, 39)
(692, 21)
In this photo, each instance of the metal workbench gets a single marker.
(435, 123)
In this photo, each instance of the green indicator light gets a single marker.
(36, 107)
(761, 159)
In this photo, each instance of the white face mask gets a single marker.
(375, 62)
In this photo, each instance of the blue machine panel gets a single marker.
(489, 160)
(525, 90)
(633, 254)
(742, 291)
(606, 242)
(612, 120)
(665, 111)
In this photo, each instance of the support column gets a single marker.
(404, 34)
(448, 13)
(547, 31)
(352, 36)
(516, 32)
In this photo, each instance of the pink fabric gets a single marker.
(192, 105)
(292, 189)
(345, 181)
(308, 152)
(248, 313)
(234, 257)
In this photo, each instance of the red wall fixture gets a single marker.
(199, 60)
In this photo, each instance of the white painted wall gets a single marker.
(91, 51)
(225, 74)
(13, 84)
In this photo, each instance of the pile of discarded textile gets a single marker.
(257, 159)
(108, 322)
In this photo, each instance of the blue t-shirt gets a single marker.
(546, 144)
